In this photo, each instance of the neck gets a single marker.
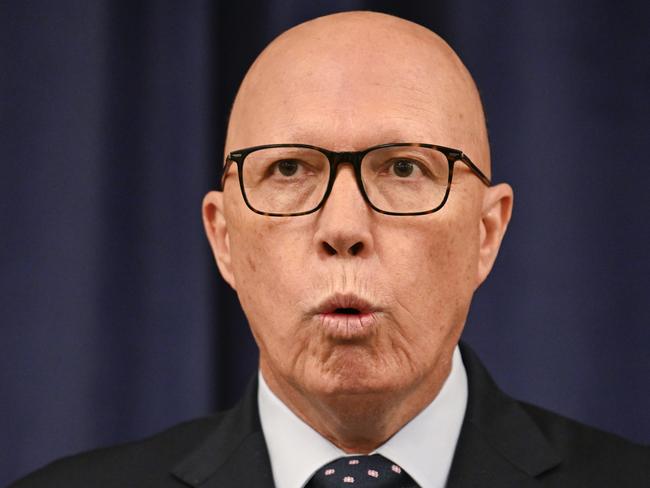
(358, 423)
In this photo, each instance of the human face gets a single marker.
(409, 280)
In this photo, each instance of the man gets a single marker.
(357, 219)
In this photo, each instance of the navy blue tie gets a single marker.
(361, 472)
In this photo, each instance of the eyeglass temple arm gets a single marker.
(486, 181)
(226, 167)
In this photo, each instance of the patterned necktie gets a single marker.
(361, 472)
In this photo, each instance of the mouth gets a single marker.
(347, 311)
(347, 316)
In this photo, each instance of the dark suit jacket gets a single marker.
(502, 443)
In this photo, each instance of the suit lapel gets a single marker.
(234, 454)
(499, 443)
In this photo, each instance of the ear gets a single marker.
(216, 228)
(495, 215)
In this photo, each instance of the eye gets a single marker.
(403, 168)
(287, 167)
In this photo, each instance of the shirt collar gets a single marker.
(424, 447)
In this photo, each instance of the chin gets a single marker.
(351, 373)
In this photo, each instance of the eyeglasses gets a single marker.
(283, 180)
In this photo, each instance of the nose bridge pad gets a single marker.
(351, 158)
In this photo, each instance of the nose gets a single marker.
(344, 222)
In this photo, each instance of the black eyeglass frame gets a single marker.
(354, 158)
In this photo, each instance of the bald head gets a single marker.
(340, 69)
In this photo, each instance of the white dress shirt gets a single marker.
(424, 447)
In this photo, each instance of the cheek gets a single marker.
(454, 254)
(264, 254)
(269, 272)
(434, 278)
(430, 256)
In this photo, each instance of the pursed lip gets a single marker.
(349, 301)
(346, 316)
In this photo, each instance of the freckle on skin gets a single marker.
(251, 262)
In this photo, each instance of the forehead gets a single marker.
(349, 99)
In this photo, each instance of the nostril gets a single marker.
(329, 249)
(356, 248)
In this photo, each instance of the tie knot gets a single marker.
(361, 471)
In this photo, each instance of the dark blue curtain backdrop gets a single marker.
(115, 323)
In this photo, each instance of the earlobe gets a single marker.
(216, 229)
(495, 215)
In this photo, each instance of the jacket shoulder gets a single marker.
(585, 449)
(141, 463)
(519, 443)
